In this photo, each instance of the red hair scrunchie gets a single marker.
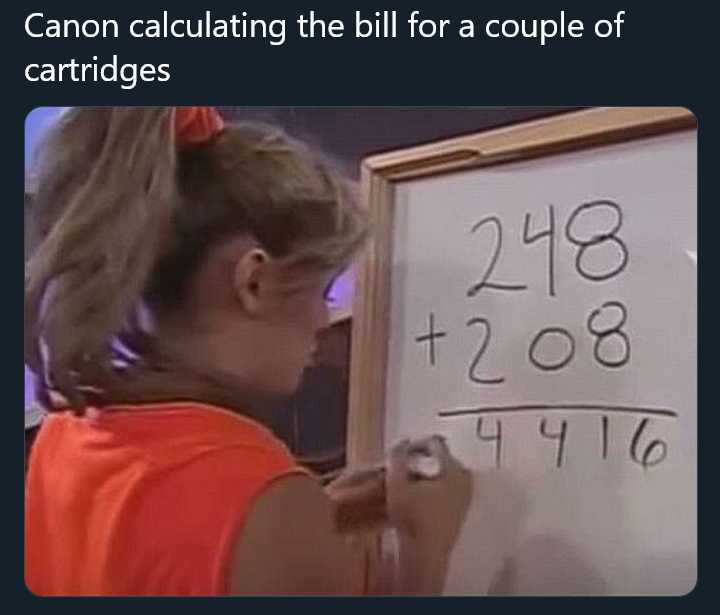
(194, 125)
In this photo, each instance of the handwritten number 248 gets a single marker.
(584, 242)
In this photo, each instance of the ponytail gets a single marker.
(129, 199)
(107, 188)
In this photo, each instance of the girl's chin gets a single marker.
(290, 386)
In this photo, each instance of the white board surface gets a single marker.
(583, 444)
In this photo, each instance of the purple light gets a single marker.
(36, 123)
(342, 293)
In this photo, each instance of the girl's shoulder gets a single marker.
(172, 433)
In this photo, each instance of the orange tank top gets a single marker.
(143, 500)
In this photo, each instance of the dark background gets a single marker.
(352, 133)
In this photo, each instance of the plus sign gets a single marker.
(430, 337)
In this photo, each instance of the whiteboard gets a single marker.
(543, 319)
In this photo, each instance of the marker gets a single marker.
(425, 462)
(424, 466)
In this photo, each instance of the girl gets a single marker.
(178, 288)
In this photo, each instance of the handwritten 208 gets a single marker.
(613, 313)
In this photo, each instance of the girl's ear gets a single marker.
(252, 281)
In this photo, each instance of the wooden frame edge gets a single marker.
(370, 328)
(537, 138)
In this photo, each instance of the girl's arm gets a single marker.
(289, 546)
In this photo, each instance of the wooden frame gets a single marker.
(539, 138)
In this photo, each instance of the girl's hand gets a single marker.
(428, 510)
(359, 500)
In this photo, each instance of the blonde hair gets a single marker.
(122, 218)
